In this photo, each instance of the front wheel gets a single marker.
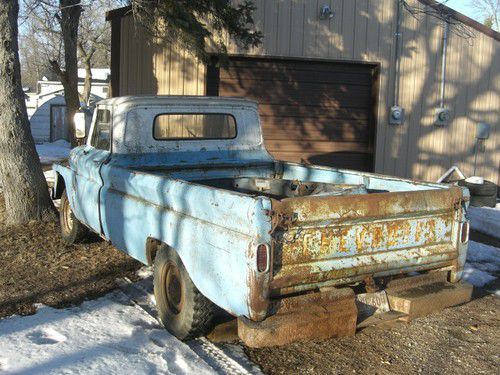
(183, 310)
(72, 231)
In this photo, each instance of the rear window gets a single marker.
(194, 126)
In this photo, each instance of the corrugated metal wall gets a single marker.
(362, 30)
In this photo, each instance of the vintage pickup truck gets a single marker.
(186, 184)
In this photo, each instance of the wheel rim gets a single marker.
(67, 217)
(173, 289)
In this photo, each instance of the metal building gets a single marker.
(328, 75)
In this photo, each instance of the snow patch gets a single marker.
(145, 272)
(483, 264)
(485, 220)
(109, 335)
(46, 336)
(53, 152)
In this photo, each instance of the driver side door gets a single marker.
(87, 161)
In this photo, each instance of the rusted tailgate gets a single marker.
(326, 240)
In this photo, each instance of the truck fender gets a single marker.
(152, 246)
(62, 179)
(59, 186)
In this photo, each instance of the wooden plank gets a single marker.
(294, 64)
(335, 40)
(316, 146)
(388, 73)
(361, 27)
(284, 27)
(311, 12)
(410, 58)
(371, 51)
(297, 28)
(385, 16)
(313, 112)
(270, 27)
(343, 133)
(345, 160)
(302, 94)
(348, 28)
(124, 64)
(420, 72)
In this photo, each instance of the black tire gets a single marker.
(487, 189)
(183, 310)
(72, 231)
(479, 201)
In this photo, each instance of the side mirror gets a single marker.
(79, 121)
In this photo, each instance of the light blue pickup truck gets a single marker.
(186, 184)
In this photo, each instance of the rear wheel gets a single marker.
(72, 231)
(183, 310)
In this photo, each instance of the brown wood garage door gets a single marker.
(316, 112)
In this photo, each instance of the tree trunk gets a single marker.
(24, 187)
(87, 62)
(87, 85)
(69, 20)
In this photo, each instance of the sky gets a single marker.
(462, 6)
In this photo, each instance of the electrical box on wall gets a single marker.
(443, 116)
(483, 130)
(397, 115)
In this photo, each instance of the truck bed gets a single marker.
(359, 225)
(334, 227)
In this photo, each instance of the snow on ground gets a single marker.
(53, 152)
(485, 220)
(105, 336)
(483, 264)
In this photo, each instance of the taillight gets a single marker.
(262, 258)
(464, 236)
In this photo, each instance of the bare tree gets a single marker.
(24, 187)
(33, 63)
(94, 42)
(489, 10)
(44, 18)
(440, 11)
(58, 22)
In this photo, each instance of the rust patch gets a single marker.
(367, 206)
(309, 230)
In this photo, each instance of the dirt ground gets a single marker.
(38, 267)
(459, 340)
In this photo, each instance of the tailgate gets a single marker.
(327, 240)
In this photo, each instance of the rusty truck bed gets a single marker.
(324, 240)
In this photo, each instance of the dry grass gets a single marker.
(38, 267)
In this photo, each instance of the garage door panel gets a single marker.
(316, 146)
(242, 78)
(295, 66)
(313, 112)
(318, 92)
(342, 131)
(344, 160)
(321, 112)
(281, 96)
